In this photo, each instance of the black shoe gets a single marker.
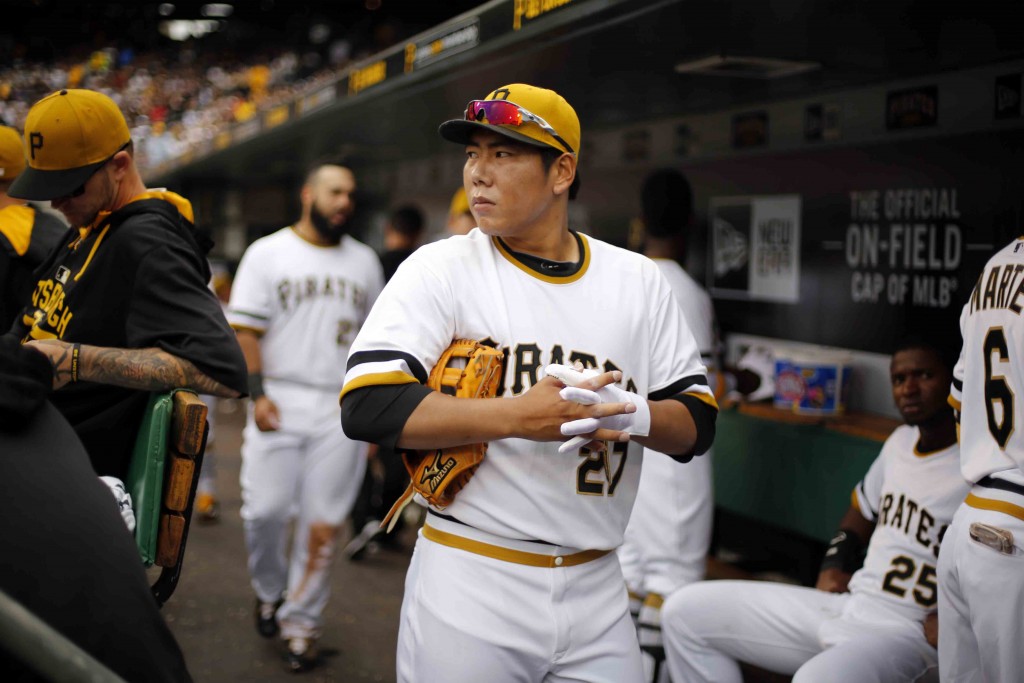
(365, 540)
(266, 617)
(302, 655)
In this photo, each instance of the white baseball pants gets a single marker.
(310, 471)
(813, 635)
(467, 618)
(981, 597)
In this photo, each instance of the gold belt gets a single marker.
(497, 552)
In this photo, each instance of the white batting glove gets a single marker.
(124, 501)
(635, 424)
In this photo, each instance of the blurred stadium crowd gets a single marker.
(177, 95)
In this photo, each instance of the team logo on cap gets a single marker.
(35, 141)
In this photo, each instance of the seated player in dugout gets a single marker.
(540, 511)
(121, 308)
(875, 623)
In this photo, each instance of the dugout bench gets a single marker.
(162, 481)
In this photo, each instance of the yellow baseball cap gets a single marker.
(12, 158)
(68, 135)
(526, 113)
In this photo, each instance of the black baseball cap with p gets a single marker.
(535, 116)
(69, 134)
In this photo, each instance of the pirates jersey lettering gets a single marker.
(293, 292)
(306, 301)
(911, 497)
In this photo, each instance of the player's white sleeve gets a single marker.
(867, 495)
(250, 304)
(956, 388)
(408, 329)
(676, 365)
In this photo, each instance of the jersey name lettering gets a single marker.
(293, 293)
(996, 289)
(49, 298)
(899, 512)
(527, 360)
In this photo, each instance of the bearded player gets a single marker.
(875, 624)
(517, 580)
(299, 297)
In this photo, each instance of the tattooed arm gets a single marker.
(147, 369)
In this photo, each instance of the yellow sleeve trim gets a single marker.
(955, 404)
(703, 398)
(853, 500)
(378, 379)
(247, 328)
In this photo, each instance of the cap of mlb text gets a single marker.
(12, 158)
(547, 104)
(68, 135)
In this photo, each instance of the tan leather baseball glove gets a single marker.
(466, 369)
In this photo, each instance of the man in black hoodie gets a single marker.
(122, 308)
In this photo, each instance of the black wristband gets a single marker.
(845, 552)
(256, 385)
(76, 350)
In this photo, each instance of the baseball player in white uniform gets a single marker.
(298, 300)
(669, 532)
(877, 630)
(981, 570)
(517, 579)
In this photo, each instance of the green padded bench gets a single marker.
(162, 481)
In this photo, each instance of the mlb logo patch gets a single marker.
(62, 274)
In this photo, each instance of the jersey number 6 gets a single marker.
(996, 388)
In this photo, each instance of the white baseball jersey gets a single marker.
(696, 304)
(669, 532)
(911, 497)
(307, 300)
(988, 380)
(615, 312)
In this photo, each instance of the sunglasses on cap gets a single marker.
(503, 112)
(80, 190)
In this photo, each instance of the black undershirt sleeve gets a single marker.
(378, 413)
(704, 417)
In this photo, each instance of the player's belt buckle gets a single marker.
(992, 536)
